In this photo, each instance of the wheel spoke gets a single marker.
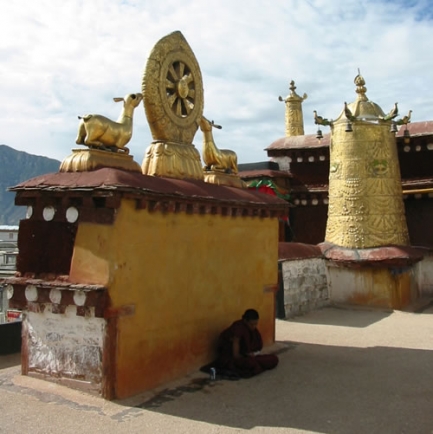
(171, 99)
(173, 73)
(169, 84)
(181, 69)
(189, 78)
(180, 89)
(191, 93)
(179, 107)
(188, 109)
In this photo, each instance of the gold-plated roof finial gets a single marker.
(293, 96)
(294, 116)
(292, 88)
(360, 88)
(362, 108)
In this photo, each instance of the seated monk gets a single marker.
(239, 348)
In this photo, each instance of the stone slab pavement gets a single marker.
(341, 371)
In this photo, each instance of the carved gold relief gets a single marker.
(378, 168)
(294, 116)
(381, 186)
(173, 90)
(365, 197)
(172, 160)
(334, 169)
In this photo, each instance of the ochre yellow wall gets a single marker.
(187, 276)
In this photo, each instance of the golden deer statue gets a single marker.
(221, 160)
(96, 131)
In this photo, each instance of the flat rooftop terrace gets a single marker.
(341, 371)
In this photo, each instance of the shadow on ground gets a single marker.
(346, 318)
(10, 360)
(319, 388)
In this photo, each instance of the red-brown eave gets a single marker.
(298, 251)
(416, 183)
(383, 256)
(416, 129)
(264, 173)
(309, 188)
(308, 141)
(133, 182)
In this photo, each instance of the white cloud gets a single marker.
(63, 59)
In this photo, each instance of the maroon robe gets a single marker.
(250, 341)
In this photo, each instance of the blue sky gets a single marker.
(63, 59)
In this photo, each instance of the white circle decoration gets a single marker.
(55, 296)
(71, 214)
(80, 298)
(48, 213)
(9, 291)
(29, 212)
(31, 293)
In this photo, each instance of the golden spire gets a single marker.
(362, 109)
(360, 88)
(294, 116)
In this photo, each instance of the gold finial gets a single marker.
(294, 117)
(360, 88)
(293, 96)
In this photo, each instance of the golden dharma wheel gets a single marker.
(173, 90)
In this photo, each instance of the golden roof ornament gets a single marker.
(365, 198)
(106, 140)
(173, 102)
(360, 88)
(294, 116)
(221, 165)
(173, 99)
(362, 109)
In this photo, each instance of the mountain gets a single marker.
(15, 167)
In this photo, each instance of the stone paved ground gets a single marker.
(341, 371)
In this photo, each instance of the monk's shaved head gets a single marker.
(250, 315)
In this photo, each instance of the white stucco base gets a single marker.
(305, 285)
(65, 345)
(424, 276)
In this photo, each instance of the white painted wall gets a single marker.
(424, 276)
(283, 162)
(9, 233)
(305, 285)
(3, 305)
(344, 281)
(65, 345)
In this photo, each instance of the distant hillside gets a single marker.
(15, 167)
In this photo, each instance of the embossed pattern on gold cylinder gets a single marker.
(294, 119)
(365, 196)
(294, 116)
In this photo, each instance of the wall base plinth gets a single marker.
(383, 277)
